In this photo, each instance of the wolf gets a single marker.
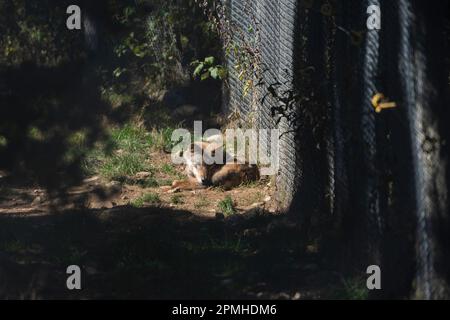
(203, 169)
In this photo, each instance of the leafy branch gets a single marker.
(208, 69)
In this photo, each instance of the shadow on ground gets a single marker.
(157, 253)
(42, 110)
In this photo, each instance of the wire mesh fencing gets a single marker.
(362, 113)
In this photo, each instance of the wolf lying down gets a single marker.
(201, 175)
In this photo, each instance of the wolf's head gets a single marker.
(200, 162)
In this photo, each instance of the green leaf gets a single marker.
(139, 52)
(198, 70)
(214, 73)
(205, 76)
(209, 60)
(222, 72)
(118, 72)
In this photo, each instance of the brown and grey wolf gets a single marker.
(203, 173)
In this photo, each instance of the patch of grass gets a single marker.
(73, 255)
(164, 182)
(231, 245)
(177, 199)
(14, 246)
(124, 154)
(352, 289)
(148, 198)
(119, 166)
(131, 138)
(78, 138)
(77, 143)
(202, 202)
(226, 206)
(3, 141)
(148, 183)
(251, 184)
(172, 173)
(169, 169)
(116, 99)
(161, 139)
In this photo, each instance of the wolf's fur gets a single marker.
(234, 174)
(201, 175)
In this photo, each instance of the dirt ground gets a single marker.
(173, 247)
(98, 193)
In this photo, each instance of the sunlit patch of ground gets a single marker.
(142, 190)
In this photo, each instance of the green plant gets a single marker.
(226, 206)
(148, 198)
(38, 34)
(149, 182)
(119, 157)
(209, 69)
(177, 199)
(120, 166)
(3, 141)
(131, 138)
(154, 43)
(168, 169)
(242, 46)
(161, 139)
(201, 202)
(232, 245)
(352, 289)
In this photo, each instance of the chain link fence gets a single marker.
(375, 179)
